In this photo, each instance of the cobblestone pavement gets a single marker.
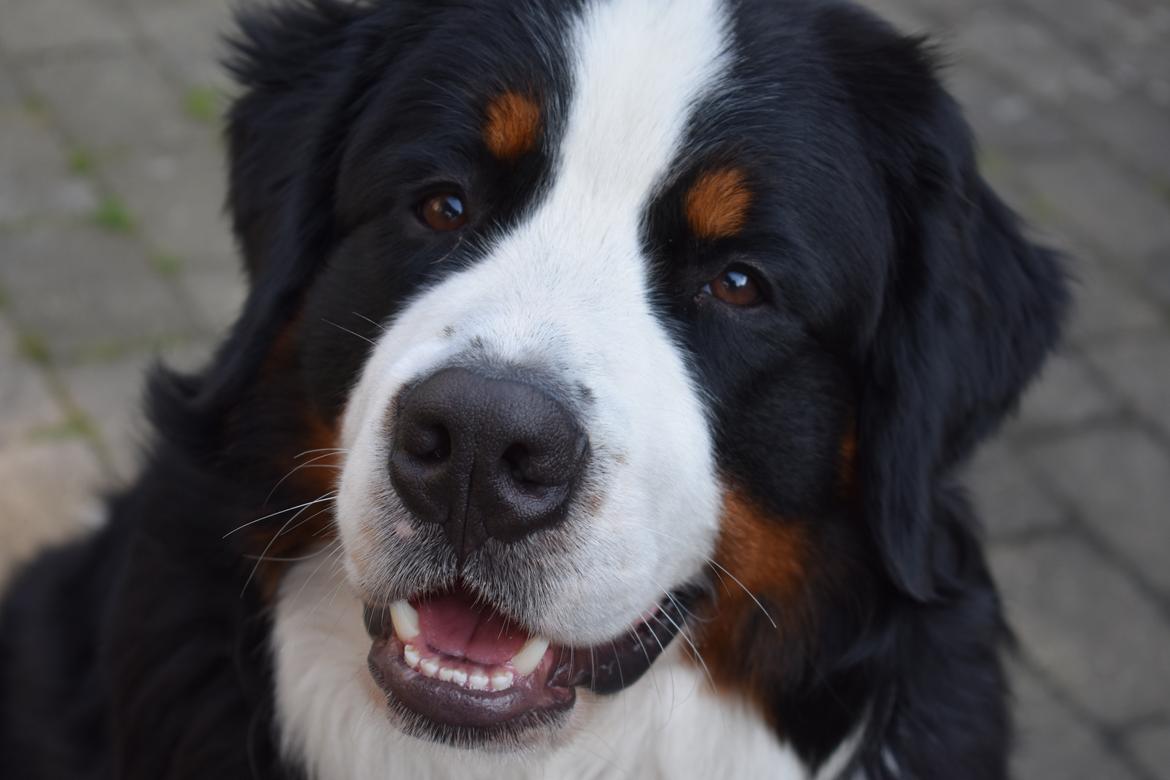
(113, 250)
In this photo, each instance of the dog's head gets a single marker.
(618, 313)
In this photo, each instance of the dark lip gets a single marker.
(459, 716)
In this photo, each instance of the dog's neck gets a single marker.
(332, 716)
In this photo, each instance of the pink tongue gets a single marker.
(454, 625)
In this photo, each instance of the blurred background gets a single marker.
(114, 249)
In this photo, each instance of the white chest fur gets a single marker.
(331, 715)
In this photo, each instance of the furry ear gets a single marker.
(970, 307)
(299, 66)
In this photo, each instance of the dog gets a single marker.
(596, 409)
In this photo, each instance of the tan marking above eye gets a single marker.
(513, 125)
(717, 203)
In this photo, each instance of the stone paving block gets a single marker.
(1104, 304)
(47, 493)
(111, 394)
(1158, 276)
(1027, 52)
(189, 37)
(1008, 499)
(1152, 747)
(177, 197)
(1100, 203)
(218, 293)
(1066, 393)
(1118, 479)
(1139, 369)
(1087, 626)
(116, 103)
(35, 25)
(26, 404)
(88, 292)
(1007, 121)
(1051, 743)
(34, 176)
(1134, 128)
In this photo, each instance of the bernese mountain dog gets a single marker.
(595, 410)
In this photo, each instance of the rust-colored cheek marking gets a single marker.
(513, 125)
(717, 203)
(759, 558)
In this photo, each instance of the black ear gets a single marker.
(299, 65)
(970, 306)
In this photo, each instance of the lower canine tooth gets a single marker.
(529, 656)
(410, 655)
(477, 681)
(405, 620)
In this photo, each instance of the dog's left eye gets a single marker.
(443, 212)
(736, 286)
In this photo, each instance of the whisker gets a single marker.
(377, 325)
(350, 332)
(307, 464)
(268, 546)
(326, 497)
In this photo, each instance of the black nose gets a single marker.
(485, 457)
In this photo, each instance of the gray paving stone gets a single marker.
(188, 37)
(1098, 202)
(1139, 369)
(1158, 276)
(1134, 128)
(110, 393)
(218, 293)
(34, 176)
(88, 292)
(1051, 743)
(1027, 52)
(1083, 622)
(1065, 394)
(177, 198)
(117, 103)
(1119, 481)
(47, 493)
(34, 25)
(1007, 121)
(27, 404)
(1152, 748)
(1105, 305)
(1006, 493)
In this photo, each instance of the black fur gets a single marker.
(904, 306)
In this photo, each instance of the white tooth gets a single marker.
(430, 667)
(529, 656)
(405, 620)
(446, 674)
(459, 677)
(410, 655)
(478, 680)
(501, 681)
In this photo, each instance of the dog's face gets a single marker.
(608, 308)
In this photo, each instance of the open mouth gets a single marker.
(462, 666)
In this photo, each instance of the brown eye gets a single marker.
(443, 212)
(735, 286)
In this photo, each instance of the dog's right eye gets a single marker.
(443, 212)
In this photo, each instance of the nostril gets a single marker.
(517, 460)
(428, 442)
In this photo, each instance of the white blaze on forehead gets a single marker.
(640, 67)
(567, 289)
